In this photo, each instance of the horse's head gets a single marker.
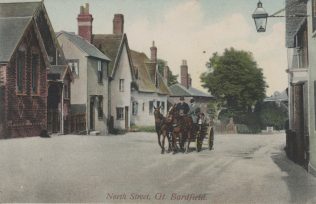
(171, 114)
(157, 113)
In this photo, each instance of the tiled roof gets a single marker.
(293, 24)
(18, 9)
(58, 69)
(109, 44)
(84, 45)
(179, 90)
(144, 82)
(11, 31)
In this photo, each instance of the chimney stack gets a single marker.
(190, 81)
(85, 23)
(184, 74)
(118, 24)
(153, 53)
(152, 64)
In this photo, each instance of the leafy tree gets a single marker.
(273, 114)
(235, 80)
(172, 79)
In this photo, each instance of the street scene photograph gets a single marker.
(157, 101)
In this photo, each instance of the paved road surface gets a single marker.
(130, 169)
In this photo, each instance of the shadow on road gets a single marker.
(301, 185)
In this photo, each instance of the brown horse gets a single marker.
(162, 127)
(182, 128)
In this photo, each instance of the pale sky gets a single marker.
(183, 29)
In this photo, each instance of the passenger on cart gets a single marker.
(182, 107)
(194, 112)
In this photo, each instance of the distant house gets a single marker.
(29, 50)
(150, 88)
(186, 90)
(279, 98)
(89, 92)
(120, 72)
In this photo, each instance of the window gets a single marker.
(135, 108)
(119, 113)
(143, 107)
(66, 90)
(35, 72)
(100, 72)
(20, 63)
(162, 107)
(74, 66)
(314, 14)
(151, 107)
(121, 85)
(100, 107)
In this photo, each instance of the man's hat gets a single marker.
(181, 98)
(192, 100)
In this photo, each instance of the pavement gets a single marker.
(130, 169)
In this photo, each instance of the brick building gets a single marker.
(28, 50)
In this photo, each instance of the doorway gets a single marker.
(126, 117)
(91, 113)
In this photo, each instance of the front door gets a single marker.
(91, 113)
(126, 117)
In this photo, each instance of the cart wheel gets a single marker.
(211, 139)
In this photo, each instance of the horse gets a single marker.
(162, 127)
(183, 127)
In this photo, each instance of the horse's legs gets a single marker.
(158, 134)
(163, 142)
(174, 142)
(188, 142)
(169, 141)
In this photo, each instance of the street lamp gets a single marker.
(260, 17)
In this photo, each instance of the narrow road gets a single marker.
(130, 169)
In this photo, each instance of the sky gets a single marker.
(187, 29)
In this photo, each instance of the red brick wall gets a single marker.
(26, 114)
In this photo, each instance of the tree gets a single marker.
(172, 79)
(273, 114)
(235, 80)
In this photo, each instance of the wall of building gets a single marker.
(144, 117)
(98, 89)
(312, 94)
(121, 99)
(79, 83)
(26, 113)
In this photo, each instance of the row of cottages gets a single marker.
(185, 89)
(301, 45)
(113, 86)
(135, 86)
(34, 76)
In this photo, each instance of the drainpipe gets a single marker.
(62, 110)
